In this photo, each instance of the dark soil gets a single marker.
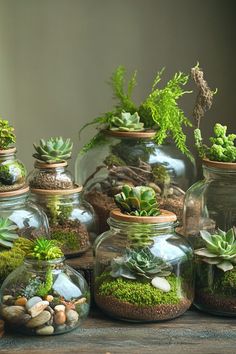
(174, 204)
(129, 312)
(51, 180)
(215, 303)
(31, 233)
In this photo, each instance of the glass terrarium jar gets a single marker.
(133, 158)
(44, 298)
(210, 205)
(143, 268)
(50, 176)
(72, 220)
(12, 171)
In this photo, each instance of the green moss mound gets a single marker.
(138, 293)
(68, 240)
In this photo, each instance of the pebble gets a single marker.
(6, 298)
(61, 327)
(21, 301)
(60, 317)
(45, 331)
(49, 298)
(48, 308)
(161, 283)
(36, 309)
(72, 316)
(42, 318)
(31, 302)
(12, 313)
(60, 308)
(81, 301)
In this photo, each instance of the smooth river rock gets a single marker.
(31, 302)
(72, 316)
(161, 283)
(42, 318)
(13, 313)
(36, 309)
(45, 331)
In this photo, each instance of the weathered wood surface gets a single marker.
(193, 333)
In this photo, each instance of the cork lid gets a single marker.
(76, 189)
(219, 164)
(134, 134)
(8, 151)
(41, 164)
(16, 192)
(165, 217)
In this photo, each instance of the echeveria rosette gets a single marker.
(53, 150)
(8, 232)
(126, 122)
(138, 201)
(220, 249)
(139, 264)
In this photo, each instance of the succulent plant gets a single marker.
(7, 136)
(220, 249)
(140, 201)
(139, 264)
(8, 232)
(44, 250)
(53, 150)
(126, 122)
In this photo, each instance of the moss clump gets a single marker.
(226, 282)
(67, 239)
(114, 160)
(138, 293)
(12, 258)
(12, 172)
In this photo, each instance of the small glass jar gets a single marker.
(50, 176)
(44, 298)
(143, 268)
(72, 220)
(133, 158)
(211, 204)
(12, 171)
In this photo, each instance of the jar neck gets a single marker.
(14, 200)
(65, 198)
(8, 156)
(218, 173)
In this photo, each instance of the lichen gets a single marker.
(138, 293)
(68, 239)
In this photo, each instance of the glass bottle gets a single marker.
(44, 298)
(143, 268)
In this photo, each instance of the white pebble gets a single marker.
(161, 283)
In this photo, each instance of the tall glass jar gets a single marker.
(72, 220)
(50, 176)
(21, 219)
(12, 171)
(133, 158)
(44, 298)
(143, 268)
(210, 205)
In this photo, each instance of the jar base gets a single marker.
(216, 304)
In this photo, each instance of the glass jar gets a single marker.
(72, 220)
(44, 298)
(210, 204)
(26, 221)
(133, 158)
(50, 176)
(143, 268)
(12, 171)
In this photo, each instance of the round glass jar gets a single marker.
(12, 171)
(210, 205)
(21, 219)
(143, 268)
(50, 176)
(44, 298)
(133, 158)
(72, 220)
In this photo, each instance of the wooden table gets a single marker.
(193, 333)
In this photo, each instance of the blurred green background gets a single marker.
(56, 57)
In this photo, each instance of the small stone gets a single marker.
(72, 316)
(61, 328)
(42, 318)
(48, 308)
(81, 301)
(60, 317)
(60, 308)
(24, 319)
(45, 331)
(21, 301)
(38, 308)
(6, 298)
(161, 283)
(12, 313)
(50, 322)
(49, 298)
(31, 302)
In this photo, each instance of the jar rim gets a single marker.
(42, 164)
(219, 164)
(132, 134)
(77, 189)
(15, 192)
(44, 262)
(8, 151)
(166, 216)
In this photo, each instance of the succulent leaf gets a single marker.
(53, 150)
(8, 232)
(7, 136)
(126, 122)
(44, 249)
(139, 201)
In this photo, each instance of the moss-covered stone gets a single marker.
(138, 293)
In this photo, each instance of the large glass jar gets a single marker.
(133, 158)
(20, 219)
(44, 298)
(50, 176)
(143, 268)
(72, 220)
(12, 171)
(210, 205)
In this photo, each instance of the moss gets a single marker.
(138, 293)
(67, 239)
(44, 288)
(113, 159)
(10, 259)
(12, 172)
